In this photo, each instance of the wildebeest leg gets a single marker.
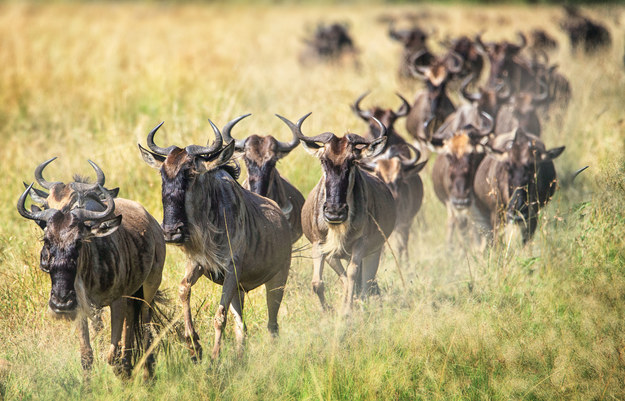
(150, 287)
(274, 289)
(129, 336)
(118, 311)
(96, 320)
(192, 274)
(335, 264)
(369, 270)
(86, 353)
(240, 330)
(451, 225)
(353, 271)
(228, 292)
(317, 279)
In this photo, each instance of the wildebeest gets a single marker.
(387, 117)
(487, 99)
(508, 65)
(431, 104)
(514, 181)
(329, 43)
(413, 41)
(101, 253)
(469, 52)
(460, 153)
(401, 175)
(521, 112)
(261, 153)
(584, 32)
(348, 214)
(542, 41)
(234, 237)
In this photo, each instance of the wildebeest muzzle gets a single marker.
(335, 213)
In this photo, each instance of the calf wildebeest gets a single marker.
(261, 153)
(348, 214)
(514, 181)
(100, 253)
(507, 64)
(460, 153)
(583, 32)
(431, 104)
(234, 237)
(387, 117)
(329, 43)
(413, 41)
(401, 175)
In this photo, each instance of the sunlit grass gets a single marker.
(88, 81)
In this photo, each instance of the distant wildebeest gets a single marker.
(514, 181)
(234, 237)
(413, 41)
(261, 153)
(460, 152)
(401, 175)
(508, 65)
(469, 52)
(521, 112)
(583, 32)
(101, 253)
(387, 117)
(541, 40)
(329, 43)
(431, 104)
(487, 99)
(348, 214)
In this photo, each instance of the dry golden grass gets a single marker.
(88, 81)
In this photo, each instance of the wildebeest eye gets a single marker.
(44, 259)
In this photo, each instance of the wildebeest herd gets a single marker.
(492, 171)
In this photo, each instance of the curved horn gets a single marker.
(523, 39)
(39, 176)
(414, 159)
(239, 144)
(364, 114)
(42, 215)
(152, 145)
(289, 146)
(503, 95)
(297, 130)
(100, 178)
(382, 128)
(543, 95)
(405, 107)
(459, 61)
(83, 187)
(473, 97)
(84, 214)
(490, 123)
(478, 40)
(196, 150)
(415, 66)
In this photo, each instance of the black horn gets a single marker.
(405, 107)
(364, 114)
(92, 215)
(239, 144)
(297, 131)
(197, 150)
(473, 97)
(39, 176)
(152, 145)
(42, 215)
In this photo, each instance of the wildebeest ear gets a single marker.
(220, 158)
(40, 223)
(106, 227)
(375, 147)
(113, 191)
(552, 153)
(152, 159)
(496, 154)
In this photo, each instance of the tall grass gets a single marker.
(88, 81)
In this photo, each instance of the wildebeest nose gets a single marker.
(173, 232)
(335, 213)
(64, 303)
(461, 202)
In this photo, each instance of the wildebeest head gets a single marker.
(521, 157)
(339, 157)
(501, 56)
(393, 167)
(464, 151)
(261, 153)
(62, 194)
(488, 98)
(435, 71)
(413, 38)
(65, 232)
(386, 116)
(180, 169)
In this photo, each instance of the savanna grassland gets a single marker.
(88, 81)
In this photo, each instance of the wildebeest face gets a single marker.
(261, 155)
(463, 156)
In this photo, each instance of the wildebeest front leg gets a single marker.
(240, 330)
(336, 265)
(274, 289)
(118, 311)
(192, 274)
(317, 279)
(228, 292)
(369, 270)
(86, 353)
(358, 251)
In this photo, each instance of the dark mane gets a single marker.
(81, 179)
(233, 169)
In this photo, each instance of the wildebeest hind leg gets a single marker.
(369, 270)
(274, 289)
(353, 272)
(118, 311)
(336, 265)
(317, 279)
(228, 292)
(192, 274)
